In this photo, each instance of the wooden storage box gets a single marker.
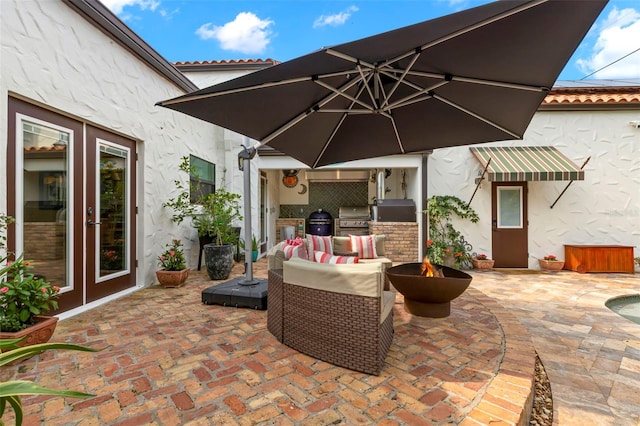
(597, 258)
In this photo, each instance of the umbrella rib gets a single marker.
(315, 108)
(395, 130)
(400, 79)
(414, 97)
(336, 128)
(473, 114)
(297, 119)
(482, 81)
(465, 30)
(188, 98)
(349, 58)
(366, 79)
(344, 95)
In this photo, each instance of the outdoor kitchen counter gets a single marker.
(401, 240)
(298, 223)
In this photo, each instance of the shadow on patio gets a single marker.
(173, 360)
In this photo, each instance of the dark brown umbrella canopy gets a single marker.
(474, 76)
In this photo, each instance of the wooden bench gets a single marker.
(598, 258)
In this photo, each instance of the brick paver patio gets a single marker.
(172, 360)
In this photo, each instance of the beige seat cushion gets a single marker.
(358, 279)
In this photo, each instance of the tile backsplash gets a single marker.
(329, 196)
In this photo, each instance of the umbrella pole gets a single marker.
(244, 164)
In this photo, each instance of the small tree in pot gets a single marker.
(212, 215)
(220, 210)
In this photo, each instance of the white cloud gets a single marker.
(117, 6)
(619, 36)
(246, 34)
(334, 20)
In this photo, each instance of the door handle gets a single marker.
(91, 223)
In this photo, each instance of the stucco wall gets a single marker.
(602, 209)
(53, 56)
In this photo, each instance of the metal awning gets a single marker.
(526, 163)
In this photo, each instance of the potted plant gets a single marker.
(213, 216)
(222, 208)
(551, 263)
(174, 270)
(446, 245)
(482, 262)
(24, 298)
(254, 247)
(12, 351)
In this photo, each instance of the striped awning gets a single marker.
(526, 163)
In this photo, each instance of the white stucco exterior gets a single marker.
(603, 209)
(54, 57)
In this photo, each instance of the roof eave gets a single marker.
(105, 20)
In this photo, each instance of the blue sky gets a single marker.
(206, 30)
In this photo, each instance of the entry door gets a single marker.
(110, 213)
(58, 170)
(509, 224)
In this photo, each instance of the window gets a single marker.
(510, 207)
(202, 177)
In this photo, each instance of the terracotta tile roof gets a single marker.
(267, 61)
(49, 148)
(593, 96)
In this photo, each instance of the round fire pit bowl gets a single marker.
(428, 296)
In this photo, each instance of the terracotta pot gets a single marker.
(551, 265)
(483, 264)
(40, 332)
(172, 278)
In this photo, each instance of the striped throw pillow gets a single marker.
(365, 245)
(319, 243)
(322, 257)
(295, 250)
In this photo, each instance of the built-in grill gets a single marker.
(353, 220)
(320, 223)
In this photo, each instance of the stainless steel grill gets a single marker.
(353, 220)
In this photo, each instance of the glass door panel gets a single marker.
(45, 200)
(509, 207)
(112, 178)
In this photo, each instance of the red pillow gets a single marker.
(365, 245)
(322, 257)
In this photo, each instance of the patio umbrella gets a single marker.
(473, 76)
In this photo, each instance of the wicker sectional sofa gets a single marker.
(341, 246)
(340, 314)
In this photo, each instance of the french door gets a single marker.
(64, 177)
